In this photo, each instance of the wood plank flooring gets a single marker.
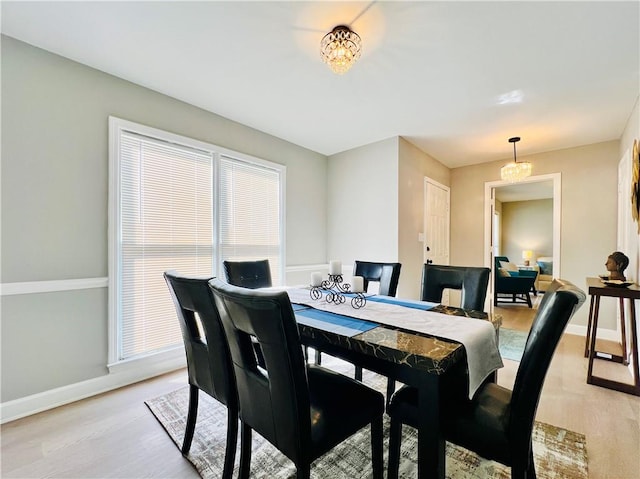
(114, 435)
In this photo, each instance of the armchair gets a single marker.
(512, 286)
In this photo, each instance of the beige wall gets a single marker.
(414, 166)
(527, 225)
(589, 204)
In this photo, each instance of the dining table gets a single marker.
(409, 353)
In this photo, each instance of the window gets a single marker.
(249, 213)
(180, 204)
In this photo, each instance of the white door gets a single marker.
(436, 225)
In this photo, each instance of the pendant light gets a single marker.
(515, 171)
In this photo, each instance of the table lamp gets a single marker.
(527, 254)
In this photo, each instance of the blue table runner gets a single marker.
(335, 323)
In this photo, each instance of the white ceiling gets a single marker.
(457, 79)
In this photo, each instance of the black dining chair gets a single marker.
(497, 423)
(303, 410)
(252, 275)
(248, 274)
(208, 360)
(472, 281)
(387, 276)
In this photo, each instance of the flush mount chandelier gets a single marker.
(340, 49)
(515, 171)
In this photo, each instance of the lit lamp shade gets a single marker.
(515, 171)
(526, 256)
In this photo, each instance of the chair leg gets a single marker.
(358, 374)
(531, 467)
(377, 448)
(524, 469)
(245, 452)
(303, 471)
(395, 436)
(232, 438)
(318, 357)
(391, 388)
(529, 300)
(192, 415)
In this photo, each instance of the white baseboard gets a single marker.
(123, 376)
(606, 334)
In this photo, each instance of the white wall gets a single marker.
(362, 199)
(54, 209)
(632, 132)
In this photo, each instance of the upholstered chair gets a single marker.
(248, 274)
(470, 280)
(303, 410)
(497, 423)
(512, 285)
(208, 361)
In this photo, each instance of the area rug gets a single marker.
(559, 453)
(511, 343)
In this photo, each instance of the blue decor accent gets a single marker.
(546, 267)
(409, 303)
(332, 322)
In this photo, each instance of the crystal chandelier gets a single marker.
(340, 49)
(515, 171)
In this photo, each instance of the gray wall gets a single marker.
(527, 225)
(54, 205)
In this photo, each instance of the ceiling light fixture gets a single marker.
(340, 49)
(515, 171)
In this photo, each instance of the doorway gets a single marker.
(534, 187)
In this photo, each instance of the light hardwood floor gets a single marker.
(115, 436)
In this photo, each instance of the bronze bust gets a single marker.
(616, 263)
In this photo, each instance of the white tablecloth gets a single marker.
(476, 335)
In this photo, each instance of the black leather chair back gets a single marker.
(387, 274)
(208, 360)
(558, 305)
(271, 401)
(472, 281)
(248, 274)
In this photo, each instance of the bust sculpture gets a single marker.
(616, 263)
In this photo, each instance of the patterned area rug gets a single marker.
(511, 343)
(559, 454)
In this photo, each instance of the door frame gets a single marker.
(489, 204)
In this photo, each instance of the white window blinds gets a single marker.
(249, 212)
(166, 223)
(180, 204)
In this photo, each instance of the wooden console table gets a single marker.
(597, 289)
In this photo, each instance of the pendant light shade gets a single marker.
(515, 171)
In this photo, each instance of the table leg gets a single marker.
(431, 444)
(589, 323)
(623, 332)
(592, 347)
(634, 349)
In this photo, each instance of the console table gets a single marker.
(598, 289)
